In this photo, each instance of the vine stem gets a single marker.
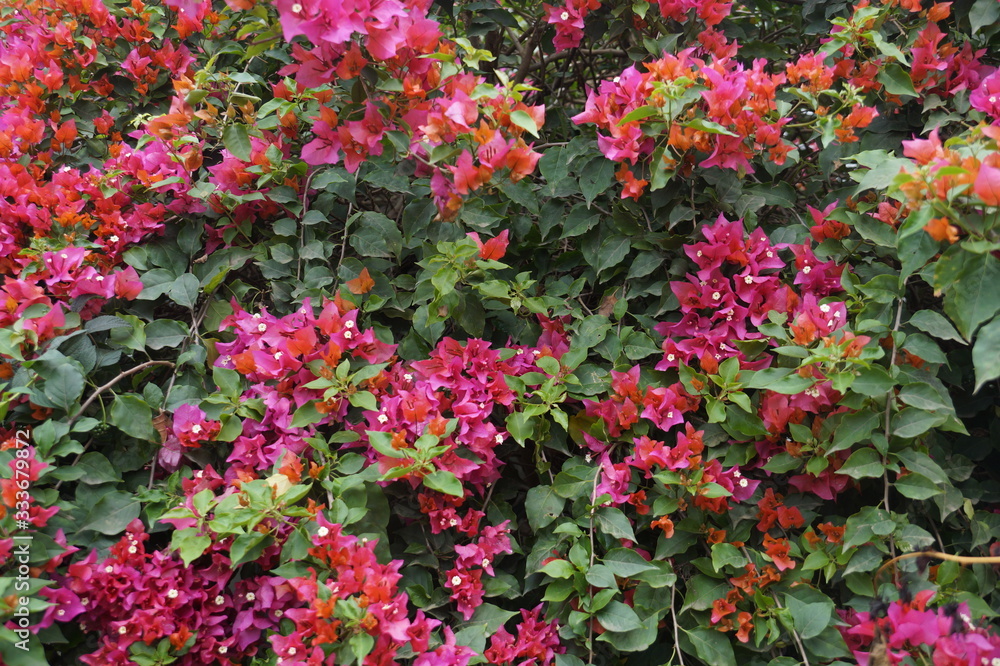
(888, 415)
(795, 635)
(590, 621)
(937, 555)
(677, 636)
(122, 375)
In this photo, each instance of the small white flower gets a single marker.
(670, 358)
(824, 308)
(453, 522)
(564, 16)
(836, 315)
(769, 254)
(296, 8)
(699, 253)
(99, 278)
(85, 601)
(278, 355)
(322, 531)
(196, 428)
(408, 377)
(348, 324)
(718, 357)
(716, 296)
(456, 580)
(279, 613)
(251, 596)
(109, 569)
(132, 550)
(486, 562)
(498, 438)
(60, 612)
(670, 414)
(223, 649)
(291, 652)
(748, 279)
(64, 256)
(743, 483)
(219, 600)
(256, 315)
(806, 270)
(347, 335)
(536, 352)
(262, 327)
(172, 594)
(382, 418)
(588, 458)
(520, 351)
(113, 238)
(616, 79)
(122, 630)
(993, 100)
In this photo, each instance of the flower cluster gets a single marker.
(907, 628)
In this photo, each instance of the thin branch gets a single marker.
(101, 389)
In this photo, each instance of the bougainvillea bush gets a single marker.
(460, 332)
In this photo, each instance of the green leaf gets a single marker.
(711, 646)
(163, 333)
(896, 81)
(97, 469)
(986, 353)
(445, 482)
(917, 486)
(559, 569)
(935, 324)
(726, 555)
(131, 415)
(969, 282)
(853, 428)
(983, 13)
(64, 386)
(872, 382)
(542, 506)
(616, 616)
(307, 415)
(810, 619)
(112, 513)
(863, 463)
(248, 547)
(709, 127)
(913, 422)
(184, 291)
(524, 120)
(921, 463)
(626, 562)
(639, 114)
(237, 141)
(612, 521)
(190, 544)
(375, 235)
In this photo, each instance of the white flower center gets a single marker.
(806, 270)
(172, 594)
(323, 531)
(456, 580)
(196, 429)
(565, 15)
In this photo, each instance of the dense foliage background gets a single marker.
(446, 333)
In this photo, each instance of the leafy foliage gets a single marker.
(512, 333)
